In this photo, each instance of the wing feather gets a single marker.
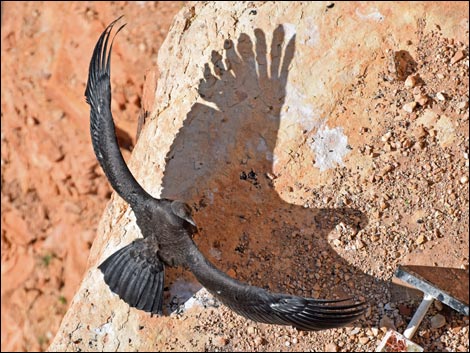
(261, 305)
(103, 136)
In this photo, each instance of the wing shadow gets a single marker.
(219, 162)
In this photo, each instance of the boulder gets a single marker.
(254, 101)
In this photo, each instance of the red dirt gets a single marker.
(53, 191)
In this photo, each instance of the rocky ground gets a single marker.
(413, 202)
(53, 192)
(414, 194)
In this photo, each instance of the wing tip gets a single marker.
(100, 60)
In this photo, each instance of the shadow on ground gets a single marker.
(219, 163)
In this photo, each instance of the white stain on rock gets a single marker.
(201, 298)
(289, 31)
(372, 14)
(299, 111)
(330, 146)
(311, 35)
(216, 253)
(104, 329)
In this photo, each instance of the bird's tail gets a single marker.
(136, 276)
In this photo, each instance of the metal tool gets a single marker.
(448, 285)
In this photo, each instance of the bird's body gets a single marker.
(136, 272)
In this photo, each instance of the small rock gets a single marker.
(337, 242)
(259, 341)
(363, 340)
(374, 237)
(270, 176)
(420, 132)
(438, 305)
(354, 331)
(421, 239)
(359, 244)
(232, 273)
(441, 96)
(387, 169)
(407, 143)
(142, 47)
(459, 55)
(464, 179)
(386, 322)
(221, 342)
(405, 310)
(383, 205)
(463, 105)
(410, 81)
(386, 137)
(331, 347)
(438, 321)
(421, 99)
(409, 107)
(31, 121)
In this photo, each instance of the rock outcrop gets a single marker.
(256, 101)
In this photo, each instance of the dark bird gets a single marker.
(136, 272)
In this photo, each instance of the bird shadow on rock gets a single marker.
(219, 163)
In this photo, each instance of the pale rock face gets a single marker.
(289, 66)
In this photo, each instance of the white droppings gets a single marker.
(289, 31)
(299, 111)
(330, 146)
(104, 329)
(215, 253)
(312, 33)
(201, 298)
(373, 15)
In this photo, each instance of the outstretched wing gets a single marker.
(103, 136)
(303, 313)
(260, 305)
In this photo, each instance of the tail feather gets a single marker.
(144, 303)
(136, 277)
(140, 287)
